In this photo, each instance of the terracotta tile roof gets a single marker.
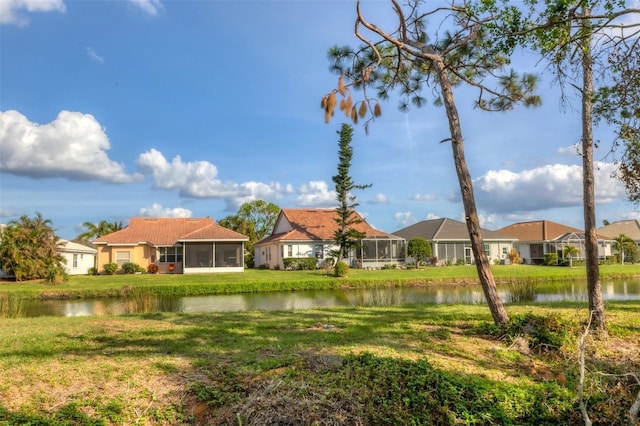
(630, 228)
(168, 231)
(313, 224)
(538, 230)
(446, 229)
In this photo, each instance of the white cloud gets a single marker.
(572, 150)
(157, 210)
(150, 7)
(73, 146)
(551, 186)
(93, 55)
(12, 11)
(7, 213)
(425, 197)
(634, 215)
(379, 199)
(199, 179)
(316, 194)
(405, 218)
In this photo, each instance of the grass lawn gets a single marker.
(256, 280)
(395, 365)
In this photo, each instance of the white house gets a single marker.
(305, 233)
(79, 257)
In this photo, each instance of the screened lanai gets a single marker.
(383, 250)
(574, 239)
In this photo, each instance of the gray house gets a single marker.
(450, 242)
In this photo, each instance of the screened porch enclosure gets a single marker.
(376, 252)
(206, 256)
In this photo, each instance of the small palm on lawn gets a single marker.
(569, 252)
(623, 244)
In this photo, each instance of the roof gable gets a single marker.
(538, 230)
(167, 231)
(446, 229)
(630, 228)
(313, 224)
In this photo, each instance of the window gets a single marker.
(487, 250)
(290, 250)
(122, 257)
(75, 260)
(171, 254)
(319, 251)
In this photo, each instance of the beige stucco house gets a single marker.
(175, 245)
(539, 237)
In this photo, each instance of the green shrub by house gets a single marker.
(299, 263)
(341, 269)
(131, 268)
(110, 268)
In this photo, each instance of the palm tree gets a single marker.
(622, 244)
(102, 228)
(29, 249)
(568, 252)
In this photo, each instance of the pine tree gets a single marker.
(346, 236)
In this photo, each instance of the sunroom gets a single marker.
(375, 252)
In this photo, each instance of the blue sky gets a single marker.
(114, 109)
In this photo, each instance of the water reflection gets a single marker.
(443, 294)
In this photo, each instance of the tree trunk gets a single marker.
(485, 274)
(594, 288)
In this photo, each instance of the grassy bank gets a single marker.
(420, 364)
(253, 280)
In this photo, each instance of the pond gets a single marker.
(436, 294)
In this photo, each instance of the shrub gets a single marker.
(131, 268)
(92, 271)
(550, 259)
(341, 269)
(514, 257)
(299, 263)
(152, 268)
(110, 268)
(540, 332)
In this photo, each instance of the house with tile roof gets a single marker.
(628, 228)
(300, 233)
(450, 242)
(539, 237)
(175, 245)
(79, 257)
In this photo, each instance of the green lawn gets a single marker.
(343, 366)
(257, 280)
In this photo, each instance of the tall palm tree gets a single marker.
(98, 230)
(622, 244)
